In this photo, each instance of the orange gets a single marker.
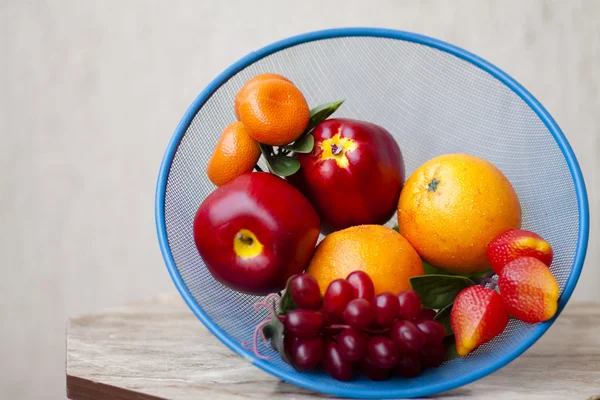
(235, 154)
(248, 86)
(273, 110)
(379, 251)
(452, 207)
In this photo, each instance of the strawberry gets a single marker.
(529, 290)
(517, 243)
(478, 316)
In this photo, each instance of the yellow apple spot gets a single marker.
(246, 245)
(336, 148)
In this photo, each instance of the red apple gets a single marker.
(254, 232)
(354, 174)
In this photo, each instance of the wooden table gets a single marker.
(159, 350)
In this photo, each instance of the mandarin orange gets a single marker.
(242, 95)
(274, 111)
(235, 154)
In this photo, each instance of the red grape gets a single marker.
(386, 309)
(334, 319)
(363, 285)
(303, 323)
(305, 292)
(432, 330)
(335, 365)
(307, 353)
(337, 296)
(352, 344)
(382, 352)
(359, 313)
(407, 336)
(410, 304)
(374, 373)
(425, 314)
(289, 343)
(433, 355)
(409, 366)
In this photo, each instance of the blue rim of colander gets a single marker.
(295, 378)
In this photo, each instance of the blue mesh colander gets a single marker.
(434, 98)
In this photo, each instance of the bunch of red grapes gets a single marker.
(384, 335)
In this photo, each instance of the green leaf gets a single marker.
(451, 353)
(431, 270)
(284, 165)
(443, 317)
(397, 229)
(267, 154)
(321, 113)
(274, 332)
(477, 274)
(437, 291)
(303, 145)
(287, 303)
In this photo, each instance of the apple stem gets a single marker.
(335, 149)
(245, 239)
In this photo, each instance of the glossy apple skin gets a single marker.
(280, 217)
(364, 192)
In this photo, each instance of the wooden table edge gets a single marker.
(85, 389)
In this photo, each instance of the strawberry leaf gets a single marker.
(438, 291)
(443, 317)
(431, 270)
(451, 352)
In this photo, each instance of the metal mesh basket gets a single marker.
(435, 99)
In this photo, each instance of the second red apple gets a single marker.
(354, 174)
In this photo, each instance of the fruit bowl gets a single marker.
(434, 98)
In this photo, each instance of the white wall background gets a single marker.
(91, 91)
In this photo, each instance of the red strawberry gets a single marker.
(478, 316)
(529, 290)
(517, 243)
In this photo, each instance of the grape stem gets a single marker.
(270, 303)
(254, 347)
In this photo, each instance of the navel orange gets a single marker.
(381, 252)
(452, 206)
